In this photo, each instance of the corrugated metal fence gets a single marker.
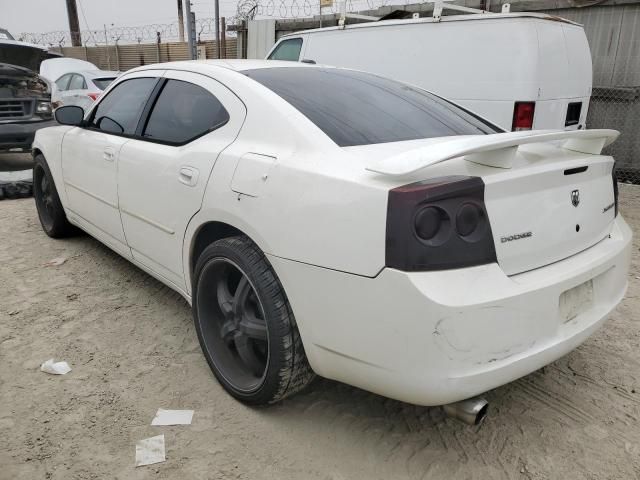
(125, 57)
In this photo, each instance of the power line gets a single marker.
(84, 17)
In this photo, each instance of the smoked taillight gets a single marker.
(438, 224)
(93, 96)
(523, 113)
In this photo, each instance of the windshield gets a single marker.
(356, 108)
(102, 83)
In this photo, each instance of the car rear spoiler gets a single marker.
(496, 150)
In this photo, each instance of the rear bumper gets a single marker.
(433, 338)
(20, 135)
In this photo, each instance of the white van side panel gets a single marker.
(485, 65)
(458, 60)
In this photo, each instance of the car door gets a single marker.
(162, 175)
(75, 91)
(90, 158)
(62, 84)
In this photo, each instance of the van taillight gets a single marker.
(573, 114)
(438, 224)
(93, 96)
(523, 116)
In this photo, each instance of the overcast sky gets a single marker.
(40, 16)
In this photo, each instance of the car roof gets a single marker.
(444, 18)
(209, 66)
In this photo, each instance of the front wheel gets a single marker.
(245, 325)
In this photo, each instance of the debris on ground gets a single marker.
(56, 262)
(172, 417)
(16, 184)
(55, 368)
(150, 451)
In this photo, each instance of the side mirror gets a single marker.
(70, 115)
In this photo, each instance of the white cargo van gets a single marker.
(520, 70)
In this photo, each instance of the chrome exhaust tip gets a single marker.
(471, 411)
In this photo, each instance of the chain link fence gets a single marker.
(618, 108)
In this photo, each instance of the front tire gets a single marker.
(245, 325)
(50, 211)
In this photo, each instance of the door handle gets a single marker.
(188, 176)
(108, 155)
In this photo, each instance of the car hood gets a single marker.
(25, 55)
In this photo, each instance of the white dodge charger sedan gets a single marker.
(328, 221)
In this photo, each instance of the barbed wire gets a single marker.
(205, 27)
(143, 33)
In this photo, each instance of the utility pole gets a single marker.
(223, 37)
(216, 4)
(74, 23)
(191, 31)
(106, 42)
(180, 21)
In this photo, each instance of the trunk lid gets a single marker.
(543, 213)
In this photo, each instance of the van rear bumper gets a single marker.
(432, 338)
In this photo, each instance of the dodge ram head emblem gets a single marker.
(575, 198)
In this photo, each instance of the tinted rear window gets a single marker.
(356, 108)
(102, 83)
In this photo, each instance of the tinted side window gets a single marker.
(63, 82)
(77, 82)
(119, 112)
(182, 112)
(288, 50)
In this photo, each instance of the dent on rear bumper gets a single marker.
(436, 337)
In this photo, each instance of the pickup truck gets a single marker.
(25, 96)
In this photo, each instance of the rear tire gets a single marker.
(245, 325)
(50, 211)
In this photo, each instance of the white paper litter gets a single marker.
(55, 368)
(150, 451)
(55, 262)
(172, 417)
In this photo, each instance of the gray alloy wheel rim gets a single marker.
(233, 325)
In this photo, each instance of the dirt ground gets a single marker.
(132, 347)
